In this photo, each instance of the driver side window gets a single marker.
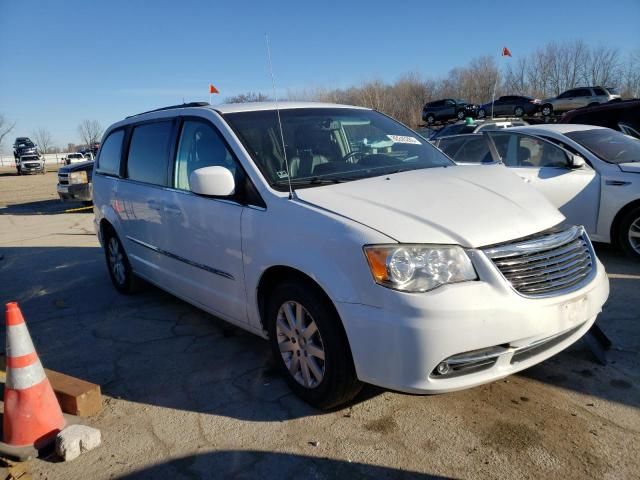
(200, 146)
(534, 152)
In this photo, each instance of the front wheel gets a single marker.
(482, 113)
(310, 345)
(460, 115)
(547, 110)
(518, 111)
(629, 233)
(430, 119)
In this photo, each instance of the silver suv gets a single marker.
(578, 97)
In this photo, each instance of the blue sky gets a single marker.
(64, 61)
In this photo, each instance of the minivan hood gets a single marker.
(472, 206)
(631, 167)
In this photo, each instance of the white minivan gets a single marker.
(360, 250)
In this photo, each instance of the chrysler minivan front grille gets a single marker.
(548, 264)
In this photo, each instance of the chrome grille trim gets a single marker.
(547, 265)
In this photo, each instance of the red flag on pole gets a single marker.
(213, 89)
(506, 52)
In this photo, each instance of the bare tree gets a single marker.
(5, 127)
(43, 139)
(248, 97)
(90, 131)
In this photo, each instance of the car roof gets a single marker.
(557, 127)
(287, 105)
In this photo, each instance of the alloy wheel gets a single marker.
(634, 235)
(116, 260)
(300, 344)
(518, 112)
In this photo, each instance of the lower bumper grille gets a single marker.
(546, 265)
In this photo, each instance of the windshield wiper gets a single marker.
(311, 181)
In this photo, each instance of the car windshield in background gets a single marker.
(331, 145)
(610, 145)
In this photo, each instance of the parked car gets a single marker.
(592, 174)
(356, 247)
(76, 157)
(24, 146)
(510, 105)
(623, 116)
(447, 109)
(578, 97)
(476, 126)
(30, 164)
(75, 182)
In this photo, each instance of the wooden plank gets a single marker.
(76, 396)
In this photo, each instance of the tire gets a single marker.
(482, 113)
(122, 276)
(628, 228)
(460, 115)
(593, 104)
(518, 111)
(547, 110)
(431, 119)
(334, 381)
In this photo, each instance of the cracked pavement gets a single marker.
(188, 396)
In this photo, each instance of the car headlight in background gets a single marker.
(418, 268)
(78, 177)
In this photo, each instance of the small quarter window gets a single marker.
(110, 152)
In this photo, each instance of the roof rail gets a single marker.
(171, 107)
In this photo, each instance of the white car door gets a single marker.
(575, 191)
(202, 235)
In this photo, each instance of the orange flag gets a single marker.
(213, 89)
(506, 52)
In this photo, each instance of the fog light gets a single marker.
(442, 368)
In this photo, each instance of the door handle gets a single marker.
(172, 209)
(154, 205)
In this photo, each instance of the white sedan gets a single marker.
(591, 174)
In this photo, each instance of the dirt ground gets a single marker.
(186, 396)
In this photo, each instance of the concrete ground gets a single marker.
(186, 396)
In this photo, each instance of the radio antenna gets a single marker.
(275, 97)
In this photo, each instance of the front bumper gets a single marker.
(32, 168)
(82, 192)
(399, 345)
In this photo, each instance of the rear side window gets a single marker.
(110, 151)
(599, 91)
(149, 153)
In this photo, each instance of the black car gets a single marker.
(24, 146)
(75, 182)
(622, 115)
(510, 105)
(448, 109)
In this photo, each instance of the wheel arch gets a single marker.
(615, 225)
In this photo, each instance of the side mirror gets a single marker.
(212, 181)
(577, 161)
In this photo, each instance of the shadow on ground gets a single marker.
(255, 464)
(41, 207)
(154, 348)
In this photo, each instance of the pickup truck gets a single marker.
(77, 157)
(75, 182)
(30, 164)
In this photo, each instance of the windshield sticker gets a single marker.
(403, 139)
(282, 174)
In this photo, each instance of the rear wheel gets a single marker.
(482, 113)
(547, 110)
(518, 111)
(430, 119)
(120, 271)
(629, 233)
(460, 115)
(593, 104)
(310, 346)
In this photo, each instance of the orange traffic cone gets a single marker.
(31, 410)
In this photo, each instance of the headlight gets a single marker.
(78, 177)
(418, 268)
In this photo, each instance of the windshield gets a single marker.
(610, 145)
(330, 145)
